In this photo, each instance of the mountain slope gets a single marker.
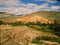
(7, 17)
(19, 35)
(34, 18)
(41, 16)
(51, 15)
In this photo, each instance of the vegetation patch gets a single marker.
(50, 28)
(37, 40)
(1, 22)
(17, 23)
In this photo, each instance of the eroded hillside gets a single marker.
(34, 18)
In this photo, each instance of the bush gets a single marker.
(53, 39)
(17, 23)
(57, 33)
(39, 23)
(55, 27)
(36, 40)
(47, 38)
(1, 22)
(30, 23)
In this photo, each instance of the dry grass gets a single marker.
(18, 35)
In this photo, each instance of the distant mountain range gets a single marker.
(2, 12)
(7, 16)
(41, 16)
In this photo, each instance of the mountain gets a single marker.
(16, 34)
(2, 12)
(33, 18)
(41, 16)
(51, 15)
(7, 16)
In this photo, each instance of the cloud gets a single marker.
(17, 11)
(22, 9)
(48, 1)
(9, 3)
(54, 7)
(18, 7)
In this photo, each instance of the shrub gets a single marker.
(36, 40)
(53, 39)
(39, 23)
(30, 23)
(1, 22)
(17, 23)
(47, 38)
(55, 27)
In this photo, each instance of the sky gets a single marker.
(19, 7)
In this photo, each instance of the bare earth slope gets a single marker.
(34, 18)
(19, 35)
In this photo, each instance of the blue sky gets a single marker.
(28, 6)
(33, 1)
(39, 2)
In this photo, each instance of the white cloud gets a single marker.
(23, 9)
(17, 7)
(55, 7)
(9, 3)
(17, 10)
(48, 1)
(35, 7)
